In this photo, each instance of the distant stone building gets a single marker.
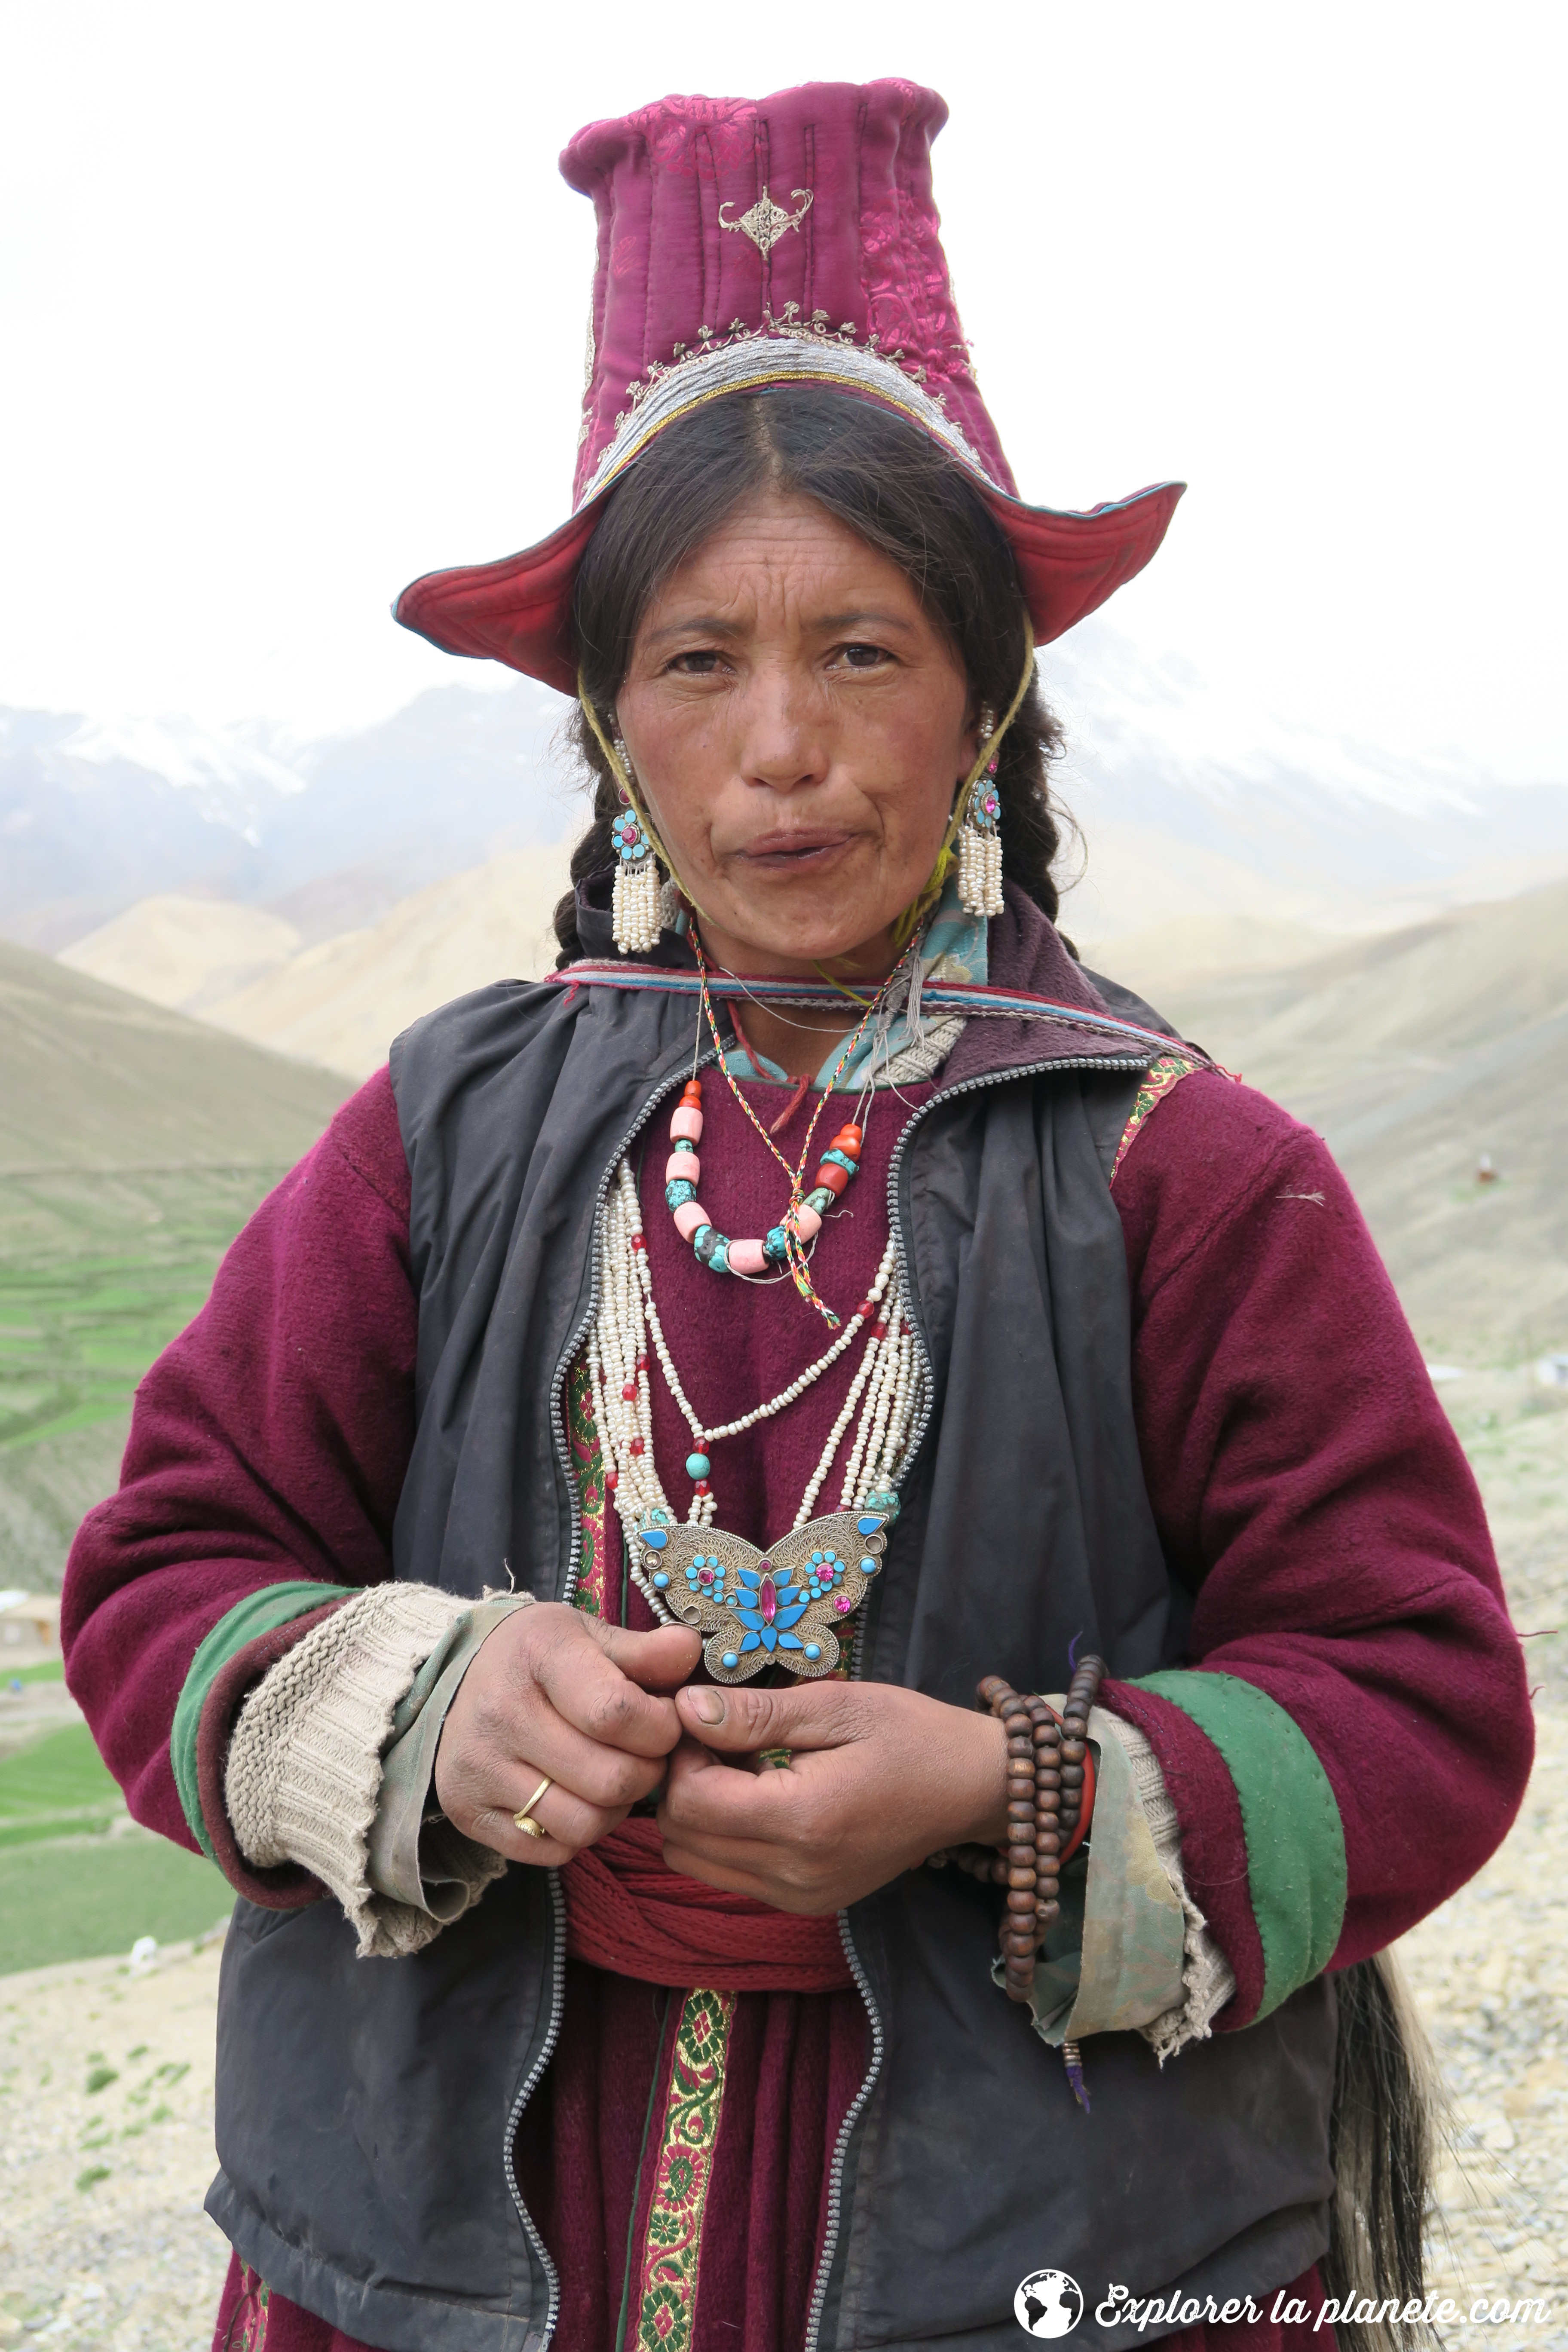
(29, 1628)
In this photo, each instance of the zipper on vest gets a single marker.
(525, 2093)
(573, 1565)
(906, 1291)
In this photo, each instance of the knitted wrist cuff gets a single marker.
(304, 1768)
(1206, 1973)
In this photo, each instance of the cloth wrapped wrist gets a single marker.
(304, 1775)
(1207, 1982)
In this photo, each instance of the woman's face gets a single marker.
(799, 726)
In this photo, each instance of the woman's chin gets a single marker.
(788, 922)
(765, 947)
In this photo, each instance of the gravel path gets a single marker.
(1490, 1968)
(104, 2246)
(104, 2241)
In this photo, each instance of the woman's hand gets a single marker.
(880, 1778)
(553, 1691)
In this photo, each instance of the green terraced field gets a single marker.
(76, 1335)
(76, 1880)
(56, 1786)
(135, 1143)
(87, 1898)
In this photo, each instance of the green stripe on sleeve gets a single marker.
(1295, 1842)
(258, 1613)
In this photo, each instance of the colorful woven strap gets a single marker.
(965, 997)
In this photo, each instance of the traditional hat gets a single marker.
(744, 245)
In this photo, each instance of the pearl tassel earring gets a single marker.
(979, 840)
(637, 911)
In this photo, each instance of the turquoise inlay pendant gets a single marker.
(784, 1607)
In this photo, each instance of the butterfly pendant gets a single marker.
(784, 1607)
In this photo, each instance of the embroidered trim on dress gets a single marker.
(667, 2289)
(249, 2315)
(1162, 1076)
(588, 1457)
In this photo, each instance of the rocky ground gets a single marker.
(105, 2152)
(106, 2070)
(1490, 1968)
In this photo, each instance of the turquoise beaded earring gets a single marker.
(635, 900)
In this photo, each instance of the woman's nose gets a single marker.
(784, 742)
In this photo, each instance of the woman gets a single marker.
(555, 1573)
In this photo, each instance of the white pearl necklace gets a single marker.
(883, 1392)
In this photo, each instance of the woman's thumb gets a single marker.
(743, 1720)
(659, 1661)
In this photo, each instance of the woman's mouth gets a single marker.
(795, 852)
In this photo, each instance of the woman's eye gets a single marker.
(700, 662)
(865, 656)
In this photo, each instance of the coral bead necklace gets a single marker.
(802, 1220)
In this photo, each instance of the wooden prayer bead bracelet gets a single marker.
(1048, 1762)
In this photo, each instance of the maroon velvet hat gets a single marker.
(741, 244)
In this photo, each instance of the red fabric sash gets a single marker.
(625, 1912)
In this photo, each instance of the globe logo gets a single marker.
(1048, 2302)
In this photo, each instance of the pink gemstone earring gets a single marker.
(636, 913)
(979, 840)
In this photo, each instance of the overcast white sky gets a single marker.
(292, 299)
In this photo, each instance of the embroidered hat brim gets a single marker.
(846, 287)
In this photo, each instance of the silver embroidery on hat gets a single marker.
(767, 222)
(786, 347)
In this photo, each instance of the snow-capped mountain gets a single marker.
(96, 813)
(1190, 800)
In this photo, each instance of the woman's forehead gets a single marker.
(779, 552)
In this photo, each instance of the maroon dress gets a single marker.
(676, 2156)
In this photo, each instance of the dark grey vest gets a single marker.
(367, 2110)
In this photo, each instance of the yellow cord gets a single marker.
(623, 776)
(915, 916)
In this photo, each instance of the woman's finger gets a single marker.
(729, 1878)
(706, 1798)
(568, 1823)
(484, 1769)
(588, 1691)
(813, 1714)
(659, 1662)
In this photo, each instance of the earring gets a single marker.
(635, 912)
(979, 842)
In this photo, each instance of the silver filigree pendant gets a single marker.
(784, 1607)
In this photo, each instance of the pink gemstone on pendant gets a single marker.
(844, 1604)
(769, 1602)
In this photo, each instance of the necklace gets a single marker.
(787, 1243)
(801, 1222)
(755, 1609)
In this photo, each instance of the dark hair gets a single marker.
(893, 485)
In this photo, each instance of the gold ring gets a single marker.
(529, 1827)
